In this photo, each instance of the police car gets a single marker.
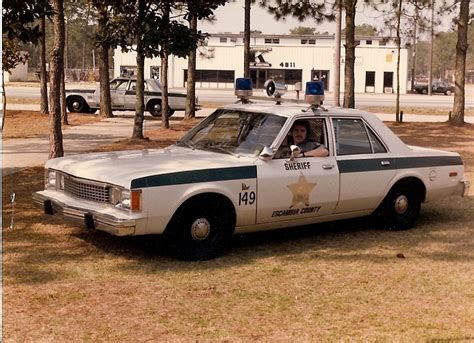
(237, 171)
(123, 97)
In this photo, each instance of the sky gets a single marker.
(230, 18)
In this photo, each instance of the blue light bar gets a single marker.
(243, 89)
(314, 93)
(315, 88)
(243, 84)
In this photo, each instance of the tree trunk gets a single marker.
(140, 106)
(349, 95)
(164, 92)
(42, 61)
(191, 80)
(413, 64)
(397, 101)
(105, 100)
(164, 68)
(56, 72)
(247, 7)
(337, 55)
(457, 117)
(430, 67)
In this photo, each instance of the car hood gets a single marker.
(120, 168)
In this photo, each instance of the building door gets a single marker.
(370, 81)
(321, 75)
(388, 82)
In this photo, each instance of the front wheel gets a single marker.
(77, 104)
(200, 229)
(401, 207)
(448, 92)
(424, 91)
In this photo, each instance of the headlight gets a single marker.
(50, 179)
(130, 200)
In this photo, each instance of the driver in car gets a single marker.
(309, 148)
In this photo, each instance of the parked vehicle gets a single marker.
(237, 171)
(436, 87)
(123, 97)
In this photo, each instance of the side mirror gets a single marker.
(295, 152)
(266, 154)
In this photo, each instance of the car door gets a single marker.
(118, 87)
(365, 165)
(299, 189)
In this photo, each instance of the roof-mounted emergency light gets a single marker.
(314, 94)
(243, 89)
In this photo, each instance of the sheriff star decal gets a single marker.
(301, 191)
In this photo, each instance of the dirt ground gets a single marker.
(335, 282)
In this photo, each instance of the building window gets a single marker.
(383, 42)
(304, 41)
(223, 40)
(312, 41)
(370, 78)
(268, 41)
(368, 42)
(276, 40)
(204, 75)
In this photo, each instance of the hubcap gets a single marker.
(157, 107)
(401, 204)
(76, 105)
(200, 229)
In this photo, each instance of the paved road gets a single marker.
(227, 96)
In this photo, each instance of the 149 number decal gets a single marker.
(246, 198)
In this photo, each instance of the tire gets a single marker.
(424, 91)
(200, 229)
(401, 207)
(448, 92)
(154, 107)
(92, 110)
(77, 104)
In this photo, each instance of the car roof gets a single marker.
(296, 110)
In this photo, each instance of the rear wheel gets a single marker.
(201, 229)
(448, 92)
(154, 107)
(424, 91)
(401, 207)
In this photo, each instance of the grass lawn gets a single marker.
(341, 281)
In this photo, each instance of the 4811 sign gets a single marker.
(288, 64)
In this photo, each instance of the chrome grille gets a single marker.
(88, 190)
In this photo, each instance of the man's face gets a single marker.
(299, 133)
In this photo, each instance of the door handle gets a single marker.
(328, 166)
(385, 163)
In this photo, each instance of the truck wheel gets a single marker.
(200, 229)
(77, 104)
(154, 107)
(401, 207)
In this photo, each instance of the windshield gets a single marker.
(234, 132)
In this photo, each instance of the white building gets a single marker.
(285, 58)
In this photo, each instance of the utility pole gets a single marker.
(337, 55)
(247, 38)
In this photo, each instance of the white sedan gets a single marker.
(123, 97)
(237, 172)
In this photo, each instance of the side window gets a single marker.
(376, 143)
(119, 84)
(132, 86)
(317, 135)
(351, 137)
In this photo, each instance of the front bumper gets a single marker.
(90, 218)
